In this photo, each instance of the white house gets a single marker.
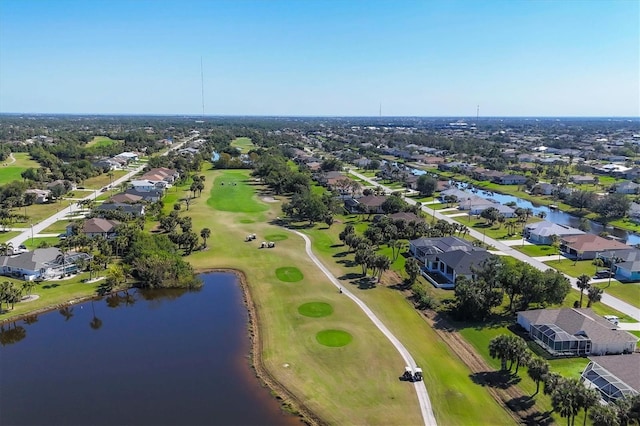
(574, 332)
(143, 185)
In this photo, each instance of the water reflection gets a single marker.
(11, 333)
(180, 355)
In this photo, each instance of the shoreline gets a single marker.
(289, 402)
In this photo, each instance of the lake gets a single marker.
(162, 357)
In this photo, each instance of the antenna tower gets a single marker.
(380, 109)
(202, 84)
(477, 114)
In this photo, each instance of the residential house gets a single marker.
(42, 195)
(127, 156)
(67, 184)
(362, 162)
(627, 187)
(625, 264)
(455, 192)
(447, 258)
(544, 189)
(41, 263)
(150, 196)
(475, 203)
(406, 217)
(582, 179)
(575, 332)
(97, 226)
(634, 212)
(132, 209)
(505, 211)
(541, 232)
(588, 246)
(367, 205)
(454, 166)
(161, 174)
(511, 180)
(614, 376)
(144, 185)
(123, 197)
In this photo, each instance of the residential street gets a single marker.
(37, 228)
(609, 300)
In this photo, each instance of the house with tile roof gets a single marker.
(41, 263)
(625, 264)
(588, 246)
(575, 332)
(97, 226)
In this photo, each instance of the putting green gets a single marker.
(315, 309)
(333, 338)
(276, 237)
(289, 274)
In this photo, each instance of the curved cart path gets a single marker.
(421, 389)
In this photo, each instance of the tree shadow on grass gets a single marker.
(365, 283)
(350, 276)
(521, 403)
(51, 286)
(348, 263)
(341, 254)
(495, 379)
(539, 418)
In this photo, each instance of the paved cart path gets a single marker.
(421, 389)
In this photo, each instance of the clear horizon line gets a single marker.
(195, 115)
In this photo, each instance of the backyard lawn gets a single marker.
(535, 250)
(572, 268)
(103, 179)
(99, 141)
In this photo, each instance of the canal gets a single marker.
(162, 357)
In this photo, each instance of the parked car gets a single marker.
(604, 273)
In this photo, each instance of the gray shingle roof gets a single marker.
(624, 367)
(575, 321)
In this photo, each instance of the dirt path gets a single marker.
(502, 387)
(11, 158)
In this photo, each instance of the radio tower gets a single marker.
(202, 85)
(477, 114)
(380, 109)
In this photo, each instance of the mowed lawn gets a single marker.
(455, 398)
(244, 144)
(102, 141)
(103, 179)
(11, 171)
(353, 384)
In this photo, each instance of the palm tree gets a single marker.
(538, 369)
(6, 249)
(381, 264)
(555, 242)
(96, 322)
(499, 348)
(604, 415)
(594, 294)
(588, 398)
(583, 284)
(566, 399)
(205, 233)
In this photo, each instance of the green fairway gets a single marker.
(102, 141)
(233, 192)
(276, 237)
(333, 338)
(289, 274)
(315, 309)
(244, 144)
(367, 390)
(10, 171)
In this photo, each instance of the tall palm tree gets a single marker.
(538, 369)
(588, 398)
(583, 284)
(594, 294)
(499, 348)
(205, 233)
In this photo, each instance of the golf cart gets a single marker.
(417, 376)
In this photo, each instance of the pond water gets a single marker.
(151, 358)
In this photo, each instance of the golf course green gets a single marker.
(334, 338)
(315, 309)
(289, 274)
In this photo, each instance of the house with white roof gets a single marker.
(541, 232)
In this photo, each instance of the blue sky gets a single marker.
(331, 57)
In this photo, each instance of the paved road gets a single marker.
(607, 299)
(37, 228)
(421, 389)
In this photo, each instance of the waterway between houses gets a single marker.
(162, 357)
(552, 215)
